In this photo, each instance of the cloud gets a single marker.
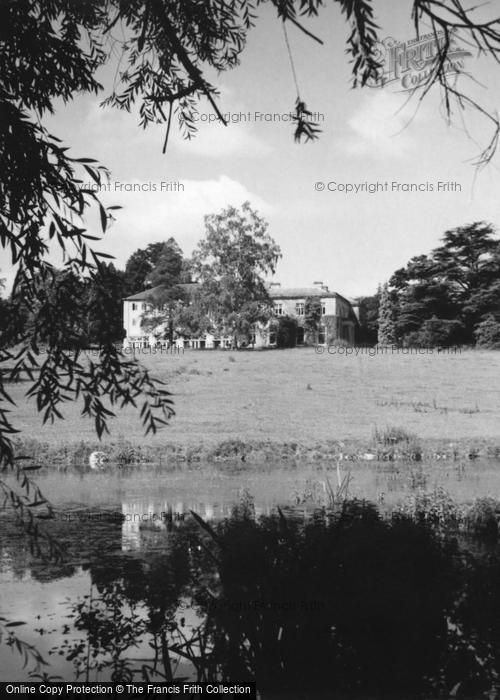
(214, 140)
(378, 129)
(152, 214)
(118, 134)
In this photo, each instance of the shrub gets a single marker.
(341, 343)
(357, 613)
(437, 331)
(488, 333)
(287, 332)
(482, 519)
(392, 435)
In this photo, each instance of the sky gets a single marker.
(350, 241)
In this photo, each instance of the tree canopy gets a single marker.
(169, 271)
(140, 265)
(229, 264)
(168, 268)
(448, 293)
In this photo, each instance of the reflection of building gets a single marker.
(338, 319)
(145, 524)
(143, 519)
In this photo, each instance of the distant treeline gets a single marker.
(450, 296)
(100, 296)
(75, 307)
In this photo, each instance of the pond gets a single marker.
(132, 545)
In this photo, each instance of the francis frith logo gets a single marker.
(408, 65)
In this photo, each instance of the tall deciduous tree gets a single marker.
(167, 294)
(230, 264)
(168, 267)
(105, 293)
(140, 265)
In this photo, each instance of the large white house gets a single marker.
(339, 319)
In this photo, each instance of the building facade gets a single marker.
(338, 319)
(337, 323)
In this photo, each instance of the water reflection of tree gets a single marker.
(16, 554)
(351, 601)
(133, 602)
(343, 601)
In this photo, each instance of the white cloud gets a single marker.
(214, 140)
(117, 132)
(380, 127)
(149, 216)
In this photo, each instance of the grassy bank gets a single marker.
(346, 452)
(296, 403)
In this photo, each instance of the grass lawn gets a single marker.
(298, 395)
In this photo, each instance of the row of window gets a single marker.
(299, 309)
(279, 308)
(147, 307)
(321, 337)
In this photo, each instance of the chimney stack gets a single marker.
(321, 286)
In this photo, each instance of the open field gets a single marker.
(301, 397)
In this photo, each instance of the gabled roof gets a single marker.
(146, 294)
(300, 293)
(274, 291)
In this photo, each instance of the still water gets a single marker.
(124, 523)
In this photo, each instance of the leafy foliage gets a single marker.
(49, 54)
(368, 318)
(386, 325)
(169, 46)
(140, 265)
(442, 297)
(362, 41)
(445, 19)
(435, 332)
(229, 264)
(312, 314)
(168, 295)
(305, 128)
(286, 333)
(104, 295)
(488, 332)
(168, 267)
